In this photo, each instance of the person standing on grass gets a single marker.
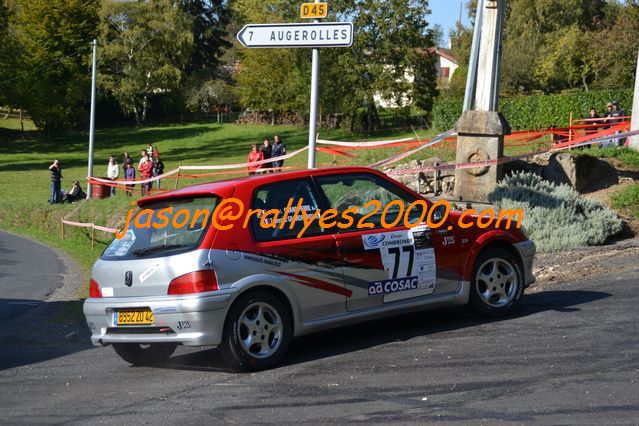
(278, 149)
(56, 181)
(129, 174)
(112, 171)
(266, 153)
(254, 156)
(126, 158)
(158, 168)
(146, 170)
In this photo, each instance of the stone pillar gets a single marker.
(480, 132)
(480, 137)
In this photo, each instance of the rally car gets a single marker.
(249, 283)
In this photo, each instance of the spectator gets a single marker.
(126, 158)
(129, 174)
(112, 171)
(266, 153)
(617, 114)
(151, 151)
(158, 168)
(75, 193)
(592, 121)
(254, 155)
(143, 157)
(146, 170)
(56, 180)
(278, 149)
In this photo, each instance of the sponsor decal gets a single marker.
(372, 241)
(264, 260)
(183, 325)
(146, 274)
(393, 286)
(448, 241)
(165, 310)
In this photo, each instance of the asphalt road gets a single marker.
(29, 271)
(571, 355)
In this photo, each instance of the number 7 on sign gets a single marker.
(250, 35)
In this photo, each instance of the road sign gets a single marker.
(323, 34)
(313, 10)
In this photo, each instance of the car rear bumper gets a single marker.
(527, 252)
(193, 320)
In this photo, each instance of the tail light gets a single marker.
(194, 282)
(94, 289)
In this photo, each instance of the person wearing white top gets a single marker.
(112, 171)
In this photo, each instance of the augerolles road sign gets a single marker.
(321, 34)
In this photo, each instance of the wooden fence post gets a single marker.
(92, 237)
(177, 178)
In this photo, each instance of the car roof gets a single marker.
(222, 186)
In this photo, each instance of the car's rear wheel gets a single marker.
(497, 283)
(138, 354)
(257, 332)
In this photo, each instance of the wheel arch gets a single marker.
(280, 294)
(501, 240)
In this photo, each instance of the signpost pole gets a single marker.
(312, 119)
(92, 115)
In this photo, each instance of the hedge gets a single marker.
(536, 111)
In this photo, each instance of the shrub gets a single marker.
(556, 217)
(536, 111)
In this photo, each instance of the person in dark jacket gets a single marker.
(56, 181)
(278, 149)
(158, 168)
(129, 174)
(266, 153)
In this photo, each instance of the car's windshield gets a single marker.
(167, 227)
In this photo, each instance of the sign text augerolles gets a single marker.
(321, 34)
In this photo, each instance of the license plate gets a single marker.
(134, 317)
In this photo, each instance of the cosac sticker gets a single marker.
(392, 286)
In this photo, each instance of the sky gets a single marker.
(446, 14)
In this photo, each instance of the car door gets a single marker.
(383, 264)
(307, 261)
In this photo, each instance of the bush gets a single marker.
(556, 217)
(536, 111)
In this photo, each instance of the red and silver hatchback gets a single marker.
(240, 265)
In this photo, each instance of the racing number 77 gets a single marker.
(411, 257)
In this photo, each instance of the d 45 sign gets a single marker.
(314, 10)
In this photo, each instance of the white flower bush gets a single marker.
(556, 217)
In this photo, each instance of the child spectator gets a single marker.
(129, 174)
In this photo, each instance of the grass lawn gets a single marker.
(25, 158)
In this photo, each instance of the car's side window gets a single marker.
(366, 195)
(283, 206)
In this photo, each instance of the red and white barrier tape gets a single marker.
(89, 225)
(364, 144)
(471, 165)
(401, 156)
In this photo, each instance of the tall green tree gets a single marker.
(145, 48)
(390, 57)
(52, 59)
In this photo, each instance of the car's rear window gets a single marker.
(163, 228)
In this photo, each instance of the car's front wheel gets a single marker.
(138, 354)
(257, 332)
(497, 283)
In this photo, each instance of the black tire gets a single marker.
(271, 344)
(151, 354)
(497, 283)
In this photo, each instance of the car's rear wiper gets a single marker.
(148, 250)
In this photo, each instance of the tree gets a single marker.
(145, 47)
(210, 18)
(52, 70)
(392, 43)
